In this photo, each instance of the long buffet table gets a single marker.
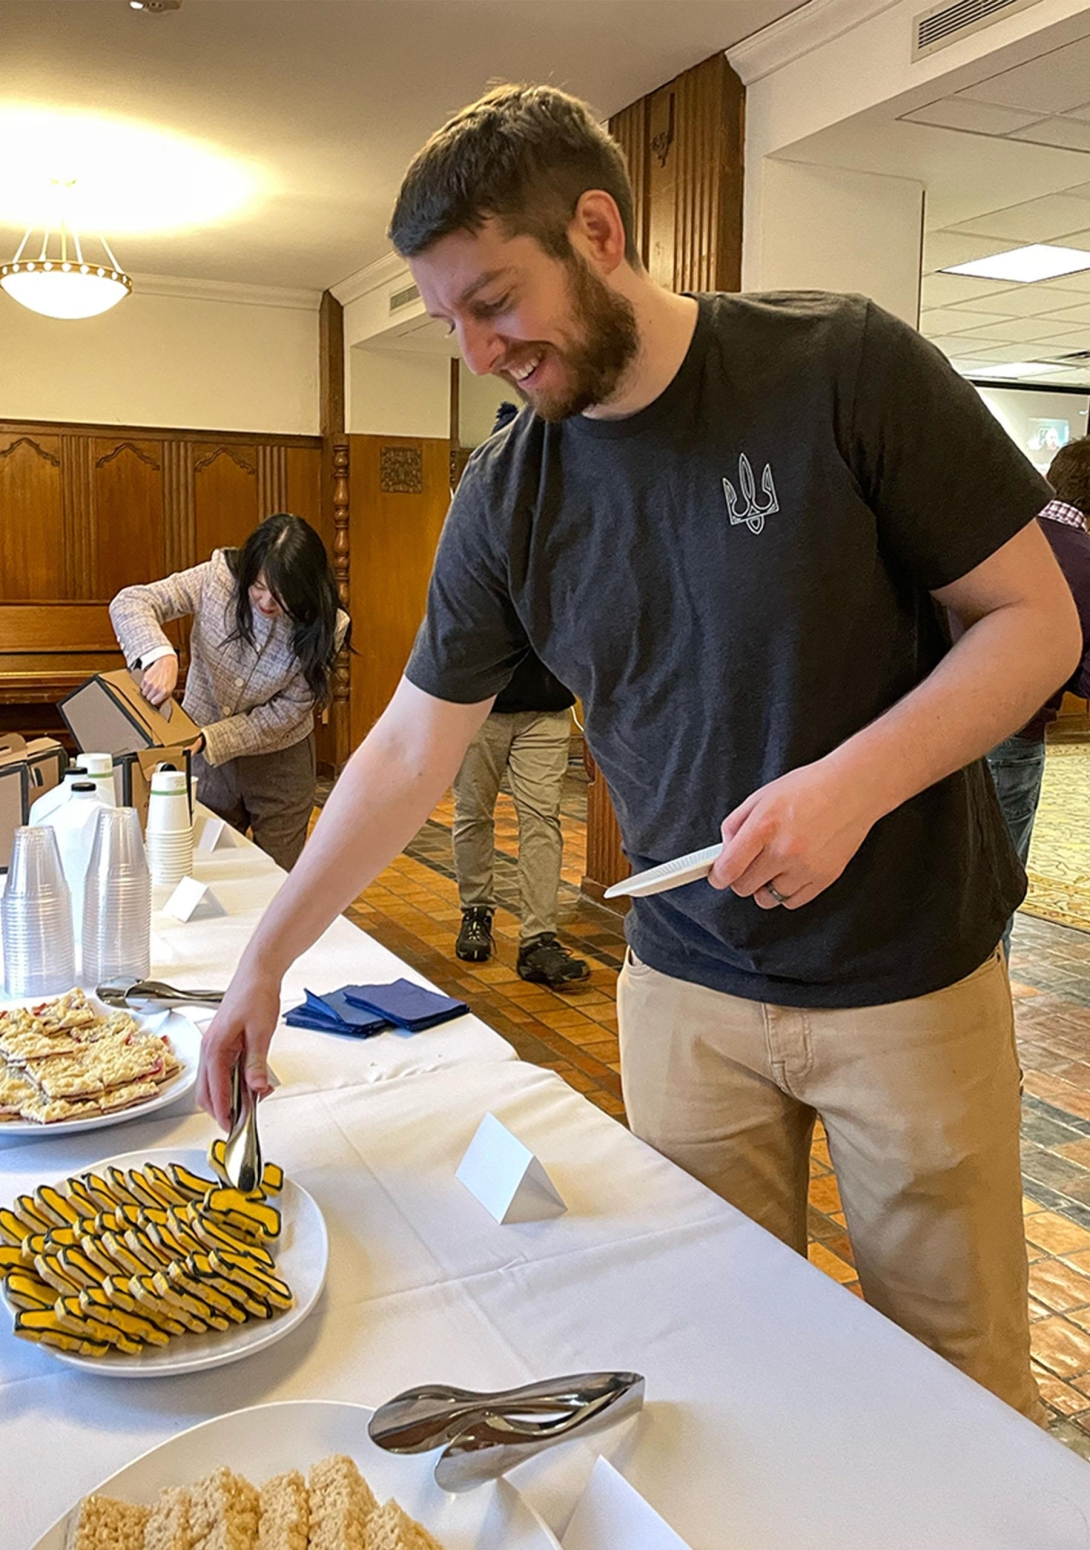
(781, 1413)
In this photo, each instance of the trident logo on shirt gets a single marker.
(748, 510)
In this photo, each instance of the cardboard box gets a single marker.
(26, 771)
(108, 714)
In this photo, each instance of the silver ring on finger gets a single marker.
(774, 893)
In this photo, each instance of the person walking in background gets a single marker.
(1018, 762)
(526, 737)
(266, 631)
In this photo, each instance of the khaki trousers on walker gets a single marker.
(532, 747)
(920, 1100)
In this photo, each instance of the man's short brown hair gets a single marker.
(522, 154)
(1069, 474)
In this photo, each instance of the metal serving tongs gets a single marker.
(242, 1149)
(485, 1435)
(132, 992)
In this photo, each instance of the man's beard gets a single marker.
(608, 339)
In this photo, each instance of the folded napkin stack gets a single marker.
(361, 1010)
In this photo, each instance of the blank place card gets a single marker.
(506, 1177)
(192, 900)
(611, 1513)
(216, 834)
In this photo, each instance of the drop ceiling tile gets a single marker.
(947, 290)
(1011, 354)
(954, 320)
(1047, 219)
(1027, 329)
(963, 344)
(1071, 315)
(980, 118)
(1072, 283)
(1080, 113)
(1066, 133)
(944, 247)
(1081, 190)
(1024, 301)
(1053, 83)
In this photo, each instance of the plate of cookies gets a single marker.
(289, 1475)
(150, 1264)
(69, 1064)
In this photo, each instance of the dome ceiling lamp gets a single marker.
(59, 281)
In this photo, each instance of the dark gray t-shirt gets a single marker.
(734, 581)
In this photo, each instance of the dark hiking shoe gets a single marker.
(547, 962)
(475, 944)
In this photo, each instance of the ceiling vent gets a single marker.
(402, 298)
(1076, 355)
(949, 23)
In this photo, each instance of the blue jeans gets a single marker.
(1017, 765)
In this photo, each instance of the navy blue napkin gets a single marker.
(404, 1004)
(332, 1013)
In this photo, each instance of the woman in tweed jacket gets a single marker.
(266, 631)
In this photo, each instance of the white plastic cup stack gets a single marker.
(116, 901)
(169, 828)
(36, 918)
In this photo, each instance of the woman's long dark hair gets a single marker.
(291, 557)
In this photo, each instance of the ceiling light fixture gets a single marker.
(64, 283)
(1039, 261)
(154, 5)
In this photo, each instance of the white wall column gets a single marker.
(825, 229)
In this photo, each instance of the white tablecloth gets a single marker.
(781, 1413)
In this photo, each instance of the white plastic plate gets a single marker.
(269, 1439)
(671, 874)
(186, 1042)
(301, 1254)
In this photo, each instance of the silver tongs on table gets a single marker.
(132, 992)
(485, 1435)
(242, 1149)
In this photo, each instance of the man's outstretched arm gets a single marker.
(387, 790)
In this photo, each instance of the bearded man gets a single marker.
(733, 526)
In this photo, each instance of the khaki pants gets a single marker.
(920, 1100)
(533, 747)
(271, 794)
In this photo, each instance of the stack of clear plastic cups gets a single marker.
(169, 828)
(116, 901)
(36, 918)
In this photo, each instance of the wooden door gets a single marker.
(400, 491)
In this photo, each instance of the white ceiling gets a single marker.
(329, 99)
(1005, 162)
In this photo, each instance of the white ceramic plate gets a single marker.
(268, 1439)
(301, 1254)
(186, 1042)
(670, 874)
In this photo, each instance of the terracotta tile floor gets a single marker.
(413, 909)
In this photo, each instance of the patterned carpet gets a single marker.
(1059, 858)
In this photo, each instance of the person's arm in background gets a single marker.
(138, 614)
(387, 790)
(1021, 637)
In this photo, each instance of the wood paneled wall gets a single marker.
(88, 509)
(684, 145)
(399, 494)
(85, 510)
